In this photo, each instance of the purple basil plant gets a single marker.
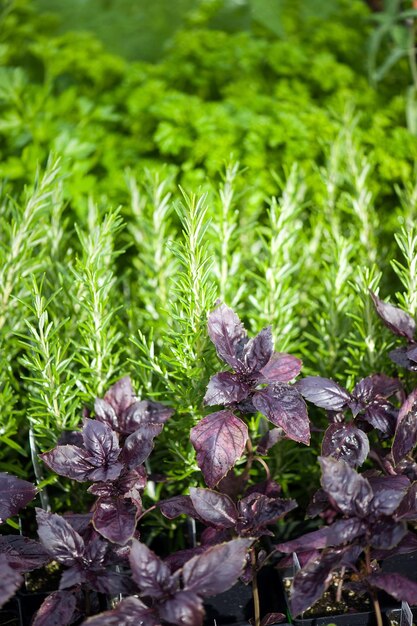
(110, 453)
(366, 523)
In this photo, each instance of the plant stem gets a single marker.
(373, 594)
(255, 591)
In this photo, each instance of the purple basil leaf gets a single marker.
(283, 405)
(226, 388)
(115, 519)
(71, 577)
(139, 445)
(131, 483)
(387, 533)
(375, 385)
(130, 611)
(105, 413)
(121, 395)
(178, 505)
(184, 607)
(345, 441)
(101, 443)
(228, 335)
(59, 538)
(345, 531)
(323, 392)
(10, 580)
(407, 545)
(397, 320)
(69, 461)
(176, 560)
(407, 510)
(144, 413)
(267, 487)
(382, 415)
(215, 508)
(203, 575)
(310, 582)
(272, 618)
(15, 494)
(350, 491)
(389, 491)
(405, 438)
(79, 521)
(395, 585)
(152, 575)
(257, 511)
(23, 554)
(281, 368)
(272, 437)
(219, 440)
(400, 357)
(258, 351)
(56, 610)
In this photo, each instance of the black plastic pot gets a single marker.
(235, 607)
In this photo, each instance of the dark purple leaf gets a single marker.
(219, 440)
(228, 335)
(130, 484)
(152, 575)
(176, 560)
(115, 519)
(203, 575)
(215, 508)
(257, 511)
(130, 612)
(56, 610)
(310, 582)
(341, 531)
(178, 505)
(407, 510)
(101, 443)
(69, 461)
(267, 487)
(324, 393)
(387, 533)
(407, 545)
(10, 580)
(121, 395)
(142, 414)
(382, 415)
(272, 618)
(395, 585)
(345, 441)
(72, 577)
(105, 413)
(351, 492)
(23, 554)
(405, 438)
(315, 540)
(258, 351)
(212, 536)
(281, 368)
(272, 437)
(79, 521)
(226, 388)
(389, 491)
(185, 608)
(375, 385)
(15, 493)
(397, 320)
(59, 538)
(400, 357)
(139, 445)
(283, 405)
(344, 531)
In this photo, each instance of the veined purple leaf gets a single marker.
(272, 437)
(341, 531)
(395, 585)
(400, 357)
(219, 440)
(15, 494)
(407, 545)
(345, 441)
(345, 531)
(281, 368)
(101, 443)
(375, 385)
(226, 388)
(121, 395)
(405, 438)
(176, 560)
(105, 413)
(310, 582)
(323, 392)
(178, 505)
(389, 491)
(228, 335)
(387, 534)
(139, 445)
(152, 575)
(10, 580)
(407, 510)
(397, 320)
(72, 577)
(410, 404)
(142, 414)
(23, 554)
(258, 351)
(130, 612)
(56, 610)
(283, 405)
(382, 415)
(203, 575)
(213, 507)
(69, 461)
(184, 607)
(115, 519)
(257, 511)
(350, 491)
(59, 538)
